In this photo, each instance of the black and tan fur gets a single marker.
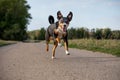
(57, 31)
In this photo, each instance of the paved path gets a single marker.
(30, 61)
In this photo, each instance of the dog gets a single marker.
(57, 31)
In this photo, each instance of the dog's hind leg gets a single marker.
(54, 48)
(66, 46)
(47, 46)
(47, 40)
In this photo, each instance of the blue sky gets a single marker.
(86, 13)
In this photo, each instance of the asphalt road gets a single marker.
(30, 61)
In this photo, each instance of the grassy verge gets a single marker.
(106, 46)
(31, 41)
(2, 42)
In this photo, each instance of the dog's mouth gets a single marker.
(64, 30)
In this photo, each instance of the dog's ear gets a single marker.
(70, 15)
(59, 15)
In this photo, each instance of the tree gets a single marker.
(72, 33)
(14, 18)
(42, 34)
(106, 33)
(78, 33)
(115, 34)
(86, 33)
(98, 34)
(92, 33)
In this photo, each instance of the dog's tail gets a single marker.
(51, 19)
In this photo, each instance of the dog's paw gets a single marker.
(67, 53)
(59, 44)
(53, 57)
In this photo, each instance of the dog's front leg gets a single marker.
(54, 48)
(66, 47)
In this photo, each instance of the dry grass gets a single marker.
(106, 46)
(2, 42)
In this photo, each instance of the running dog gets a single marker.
(57, 31)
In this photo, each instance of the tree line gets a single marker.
(106, 33)
(79, 33)
(36, 34)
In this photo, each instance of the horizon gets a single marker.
(86, 13)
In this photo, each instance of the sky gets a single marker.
(86, 13)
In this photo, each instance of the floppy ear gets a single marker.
(70, 15)
(59, 15)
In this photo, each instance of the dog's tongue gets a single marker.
(64, 29)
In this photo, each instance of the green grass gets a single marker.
(106, 46)
(3, 43)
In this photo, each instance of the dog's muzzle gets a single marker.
(61, 33)
(64, 29)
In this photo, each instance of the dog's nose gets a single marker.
(64, 29)
(64, 26)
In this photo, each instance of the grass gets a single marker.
(31, 41)
(3, 43)
(106, 46)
